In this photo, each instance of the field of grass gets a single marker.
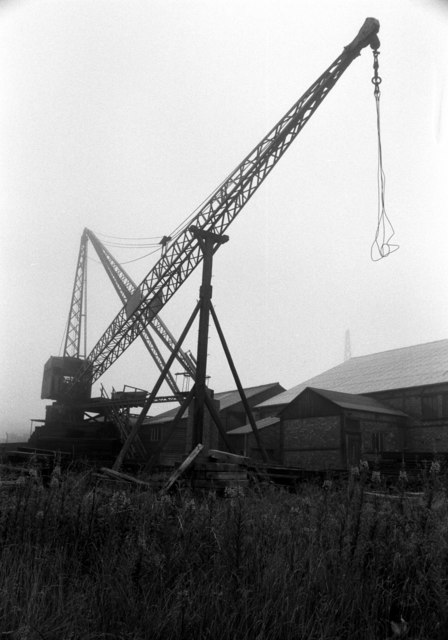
(92, 562)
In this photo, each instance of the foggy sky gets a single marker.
(123, 117)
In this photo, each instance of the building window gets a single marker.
(377, 442)
(155, 433)
(430, 407)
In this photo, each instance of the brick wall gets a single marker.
(317, 442)
(271, 439)
(313, 442)
(428, 437)
(314, 433)
(314, 459)
(392, 434)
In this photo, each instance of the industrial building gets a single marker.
(392, 401)
(231, 412)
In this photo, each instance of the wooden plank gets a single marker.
(225, 456)
(117, 475)
(27, 455)
(104, 478)
(11, 467)
(120, 482)
(48, 452)
(183, 467)
(227, 476)
(407, 496)
(218, 484)
(216, 466)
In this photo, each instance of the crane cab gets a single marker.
(59, 374)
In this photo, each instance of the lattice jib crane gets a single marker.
(59, 371)
(125, 288)
(182, 255)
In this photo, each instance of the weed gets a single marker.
(81, 561)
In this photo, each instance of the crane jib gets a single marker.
(183, 255)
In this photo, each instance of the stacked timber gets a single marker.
(218, 475)
(219, 470)
(215, 471)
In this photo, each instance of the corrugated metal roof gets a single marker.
(226, 399)
(261, 424)
(415, 366)
(356, 402)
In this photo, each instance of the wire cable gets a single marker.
(381, 246)
(182, 226)
(142, 257)
(131, 246)
(173, 235)
(124, 238)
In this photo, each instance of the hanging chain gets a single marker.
(381, 246)
(376, 80)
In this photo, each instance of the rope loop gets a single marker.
(381, 246)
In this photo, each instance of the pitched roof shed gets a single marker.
(227, 399)
(416, 366)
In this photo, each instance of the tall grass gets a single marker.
(87, 562)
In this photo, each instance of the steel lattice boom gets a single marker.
(183, 254)
(72, 345)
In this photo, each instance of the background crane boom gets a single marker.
(72, 344)
(125, 288)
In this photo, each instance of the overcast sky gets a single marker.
(123, 116)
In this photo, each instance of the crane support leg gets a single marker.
(236, 377)
(208, 242)
(136, 428)
(199, 394)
